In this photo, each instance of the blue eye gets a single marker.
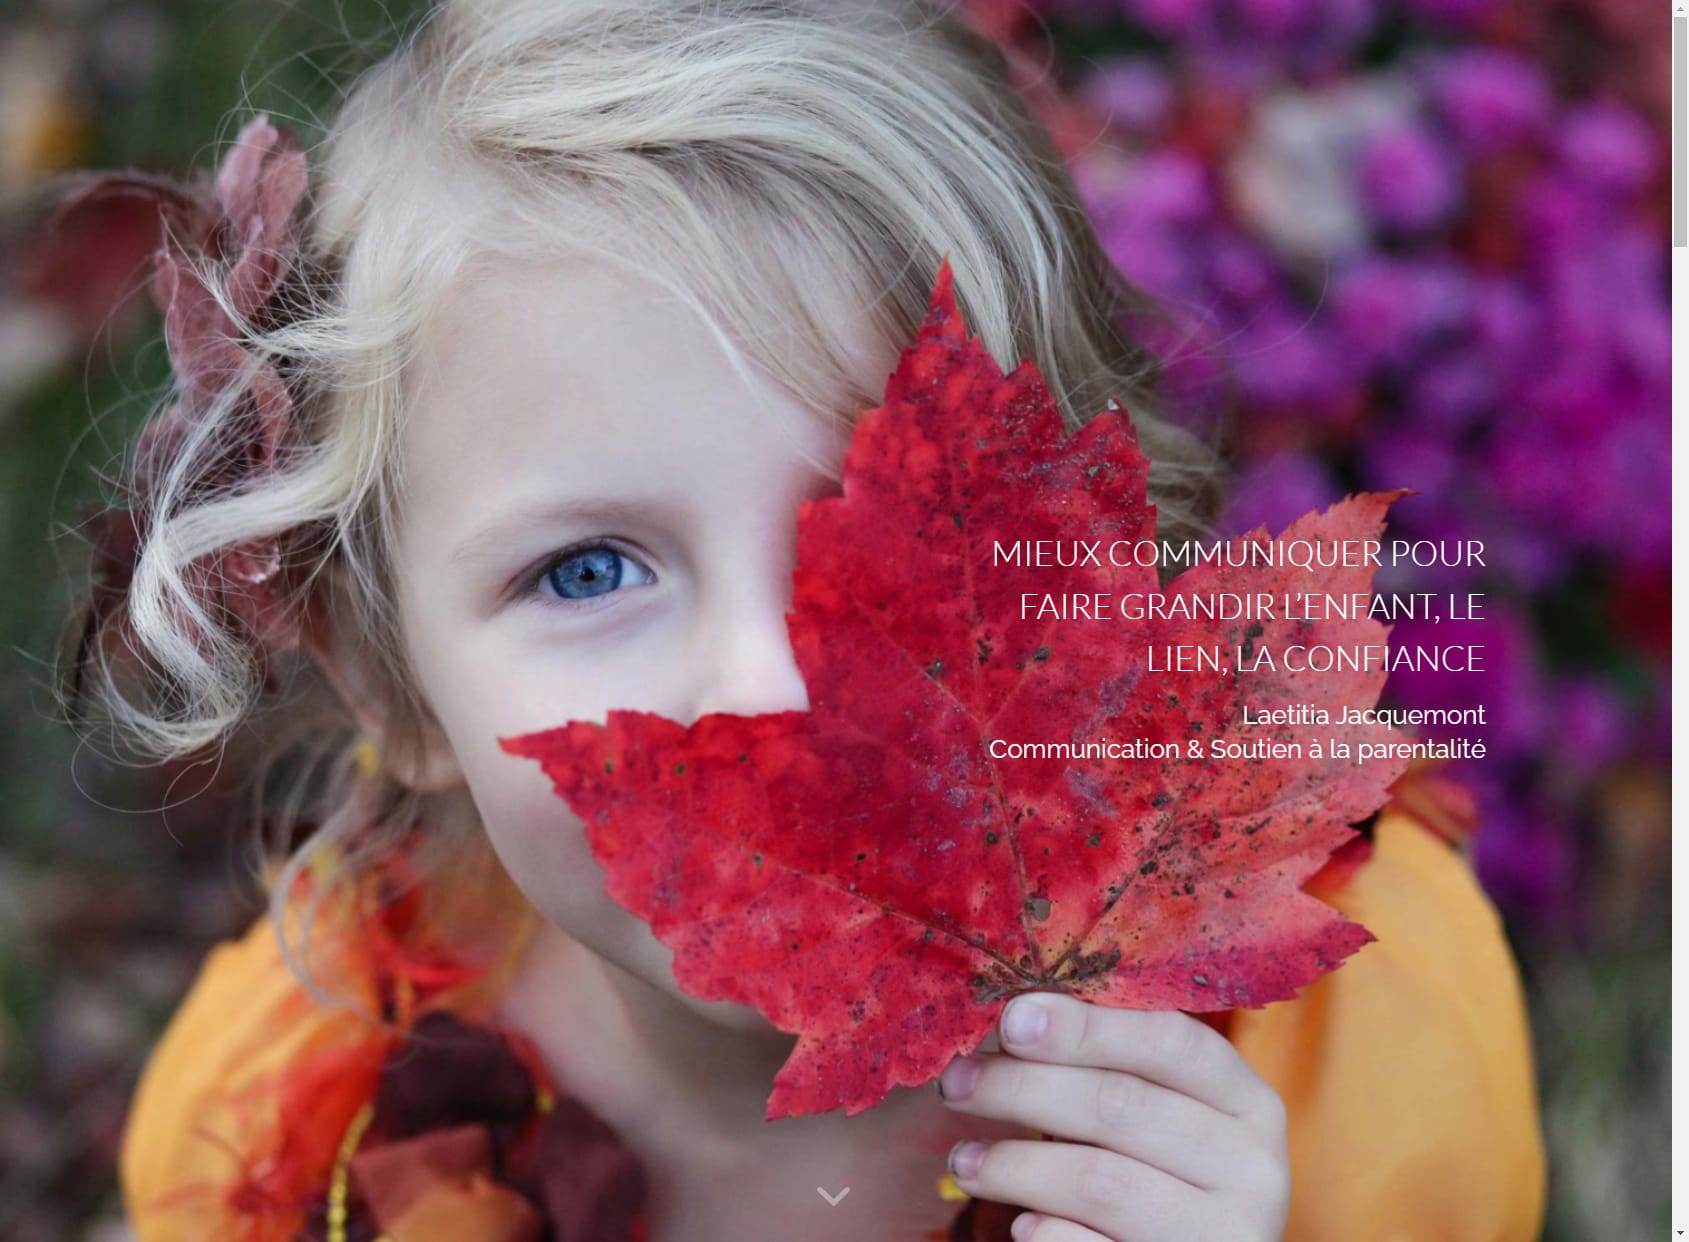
(584, 573)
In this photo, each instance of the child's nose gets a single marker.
(753, 670)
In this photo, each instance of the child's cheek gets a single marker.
(541, 842)
(538, 838)
(543, 846)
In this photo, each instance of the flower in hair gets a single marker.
(235, 237)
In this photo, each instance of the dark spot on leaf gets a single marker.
(1039, 908)
(935, 668)
(991, 838)
(1249, 636)
(1147, 868)
(1201, 980)
(1160, 800)
(1090, 965)
(1096, 838)
(1043, 653)
(609, 766)
(680, 769)
(1189, 887)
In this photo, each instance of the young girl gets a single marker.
(511, 427)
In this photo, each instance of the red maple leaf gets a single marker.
(866, 874)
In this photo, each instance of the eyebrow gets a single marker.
(553, 511)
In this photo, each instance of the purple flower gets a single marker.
(1169, 17)
(1532, 560)
(1342, 27)
(1490, 99)
(1643, 348)
(1437, 270)
(1284, 359)
(1170, 187)
(1453, 12)
(1454, 391)
(1240, 271)
(1446, 525)
(1609, 147)
(1633, 474)
(1372, 308)
(1509, 685)
(1582, 454)
(1591, 726)
(1400, 457)
(1150, 258)
(1407, 178)
(1385, 309)
(1556, 214)
(1526, 864)
(1506, 322)
(1225, 66)
(1275, 492)
(1152, 218)
(1133, 91)
(1274, 19)
(1193, 376)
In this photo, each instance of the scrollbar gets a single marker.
(1679, 127)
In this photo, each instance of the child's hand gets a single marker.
(1172, 1137)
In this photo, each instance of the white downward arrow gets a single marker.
(832, 1200)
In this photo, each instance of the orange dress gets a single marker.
(1406, 1074)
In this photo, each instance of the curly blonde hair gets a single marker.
(722, 147)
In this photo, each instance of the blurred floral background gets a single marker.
(1397, 243)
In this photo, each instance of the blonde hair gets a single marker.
(738, 143)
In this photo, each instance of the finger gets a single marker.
(1120, 1111)
(1164, 1046)
(1121, 1198)
(1036, 1227)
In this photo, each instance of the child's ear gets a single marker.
(423, 759)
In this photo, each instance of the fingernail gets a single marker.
(1023, 1225)
(1024, 1021)
(966, 1157)
(957, 1081)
